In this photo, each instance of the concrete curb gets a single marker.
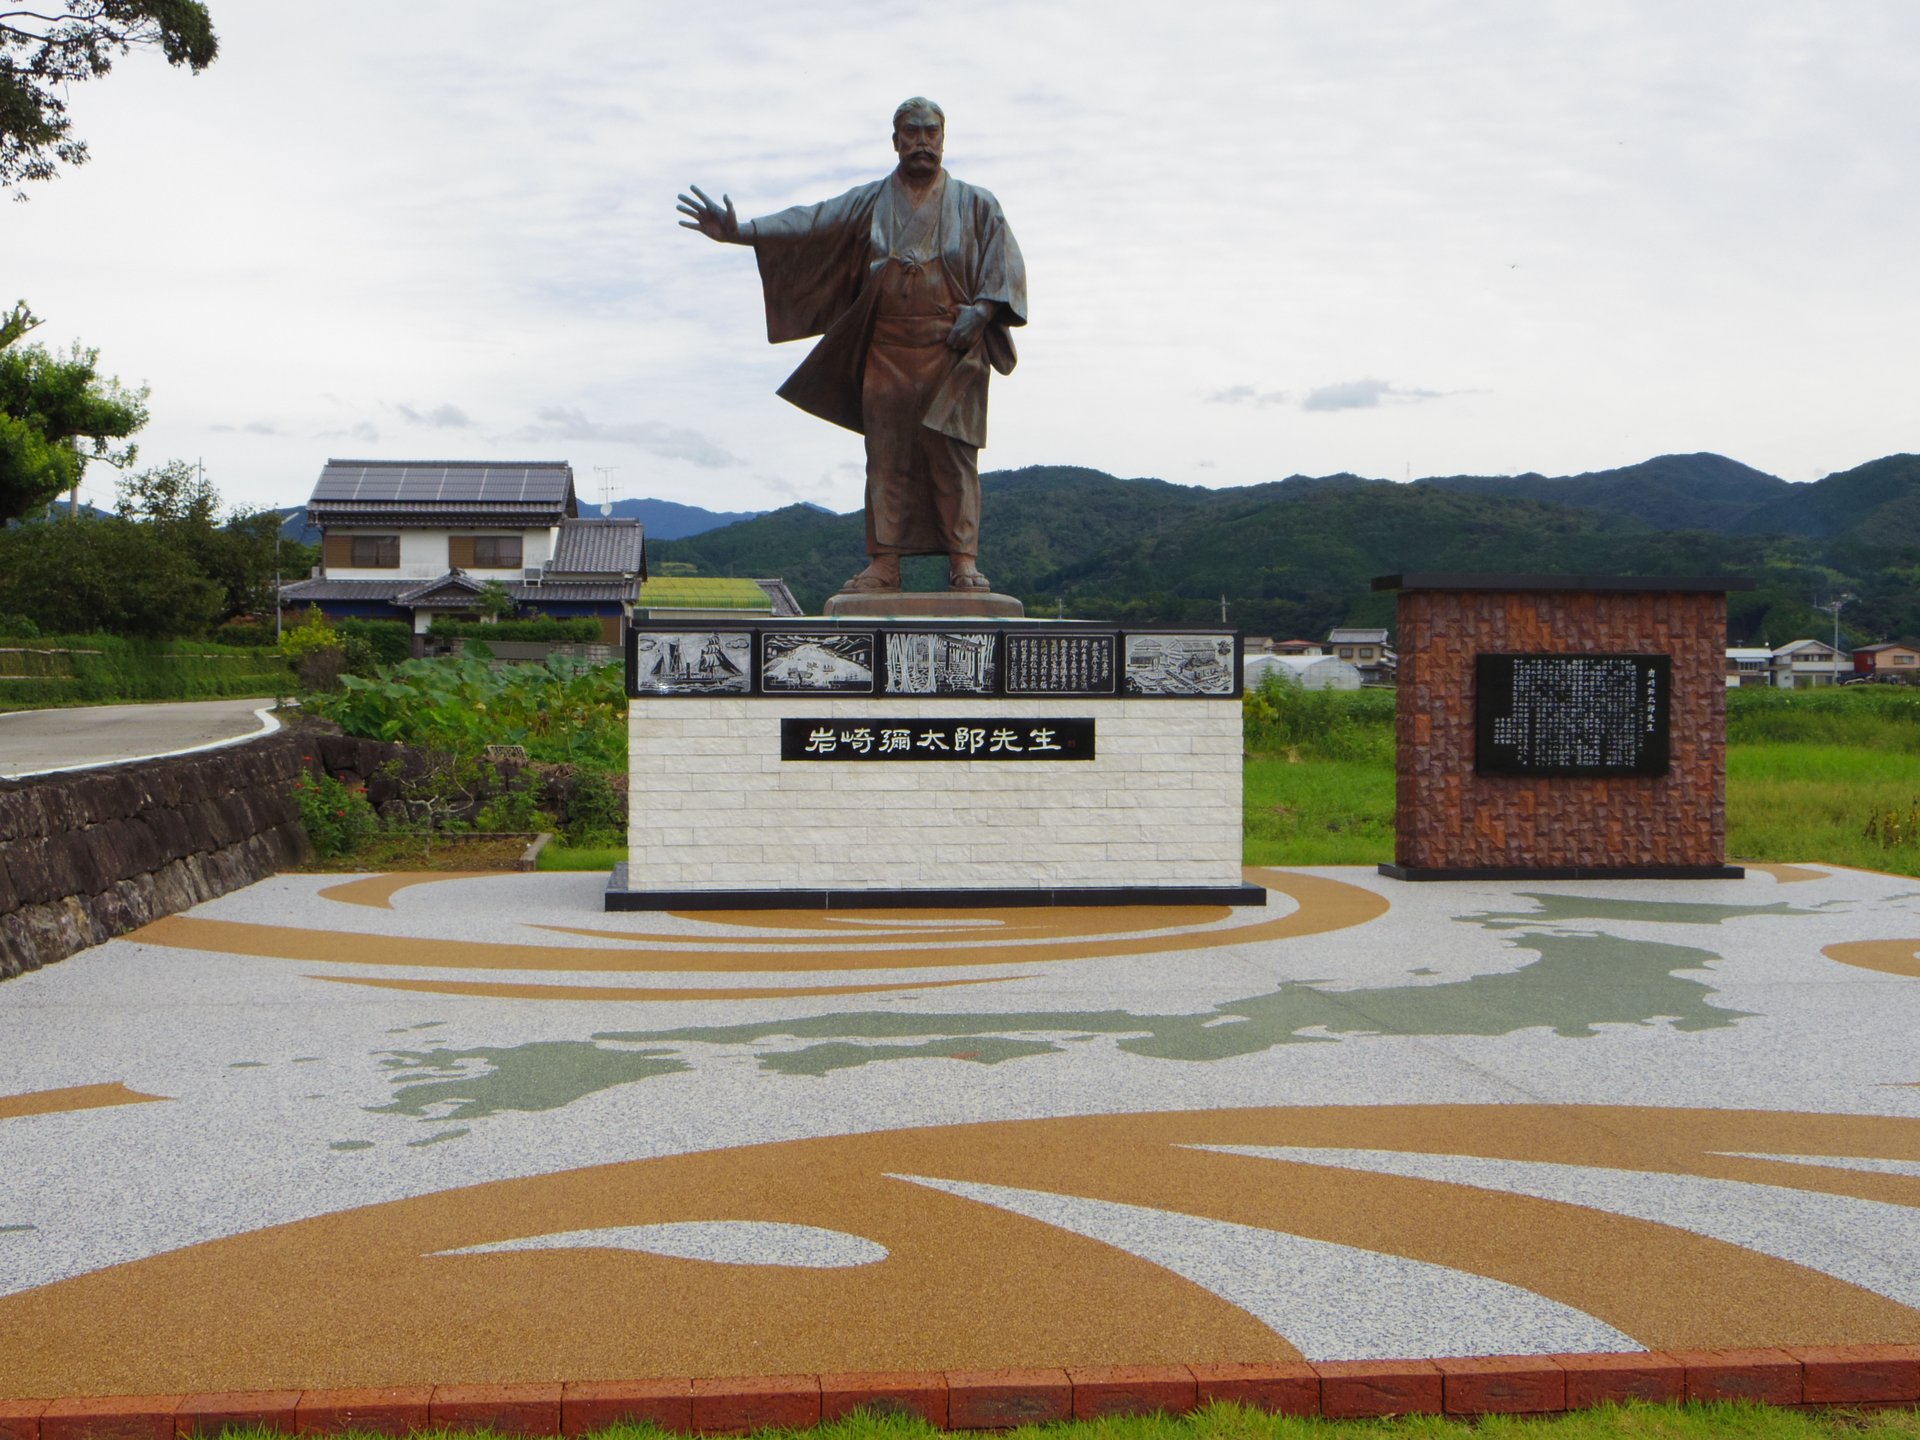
(1843, 1375)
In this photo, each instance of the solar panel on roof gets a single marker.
(416, 482)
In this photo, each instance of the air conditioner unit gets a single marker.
(532, 574)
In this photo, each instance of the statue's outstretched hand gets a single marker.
(711, 220)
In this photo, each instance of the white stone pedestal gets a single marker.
(719, 819)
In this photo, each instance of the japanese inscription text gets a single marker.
(970, 739)
(1571, 715)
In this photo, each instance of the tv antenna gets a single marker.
(606, 472)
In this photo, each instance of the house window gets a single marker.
(376, 552)
(1903, 659)
(1366, 652)
(496, 552)
(1346, 652)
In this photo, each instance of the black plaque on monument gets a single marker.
(1061, 663)
(1571, 715)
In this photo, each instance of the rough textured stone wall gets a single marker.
(92, 854)
(715, 808)
(1451, 818)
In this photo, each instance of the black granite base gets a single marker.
(1567, 872)
(619, 897)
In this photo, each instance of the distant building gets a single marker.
(1749, 667)
(1297, 647)
(1891, 660)
(1366, 650)
(411, 539)
(1801, 664)
(1310, 672)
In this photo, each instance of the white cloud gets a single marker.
(443, 417)
(1362, 395)
(1578, 206)
(671, 442)
(1247, 395)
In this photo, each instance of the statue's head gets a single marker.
(919, 136)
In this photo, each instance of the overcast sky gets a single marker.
(1403, 237)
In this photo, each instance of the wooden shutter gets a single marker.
(460, 551)
(336, 551)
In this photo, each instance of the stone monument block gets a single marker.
(1561, 727)
(966, 761)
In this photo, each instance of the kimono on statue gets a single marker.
(880, 280)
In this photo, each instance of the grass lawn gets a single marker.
(1813, 802)
(580, 857)
(1318, 812)
(1234, 1422)
(1785, 802)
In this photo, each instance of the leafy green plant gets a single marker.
(561, 712)
(595, 815)
(337, 817)
(516, 809)
(1895, 828)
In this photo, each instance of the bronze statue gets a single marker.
(913, 283)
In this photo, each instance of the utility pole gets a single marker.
(1834, 607)
(1223, 609)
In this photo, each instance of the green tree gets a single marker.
(496, 602)
(57, 413)
(46, 50)
(238, 555)
(107, 575)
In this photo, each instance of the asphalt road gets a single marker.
(35, 741)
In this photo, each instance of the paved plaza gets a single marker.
(354, 1131)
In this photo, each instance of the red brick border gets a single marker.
(1818, 1375)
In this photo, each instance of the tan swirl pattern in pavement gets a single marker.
(73, 1097)
(363, 1297)
(886, 940)
(489, 991)
(1889, 957)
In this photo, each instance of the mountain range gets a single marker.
(1293, 557)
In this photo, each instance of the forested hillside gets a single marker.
(1295, 556)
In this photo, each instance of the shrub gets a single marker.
(18, 627)
(582, 631)
(517, 808)
(389, 642)
(1282, 715)
(244, 632)
(337, 817)
(596, 815)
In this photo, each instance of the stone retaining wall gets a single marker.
(91, 854)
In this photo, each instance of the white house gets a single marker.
(411, 539)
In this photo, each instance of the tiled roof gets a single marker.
(362, 591)
(1356, 637)
(406, 593)
(782, 597)
(391, 515)
(454, 580)
(574, 590)
(599, 547)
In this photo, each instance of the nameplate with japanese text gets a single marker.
(1572, 715)
(922, 740)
